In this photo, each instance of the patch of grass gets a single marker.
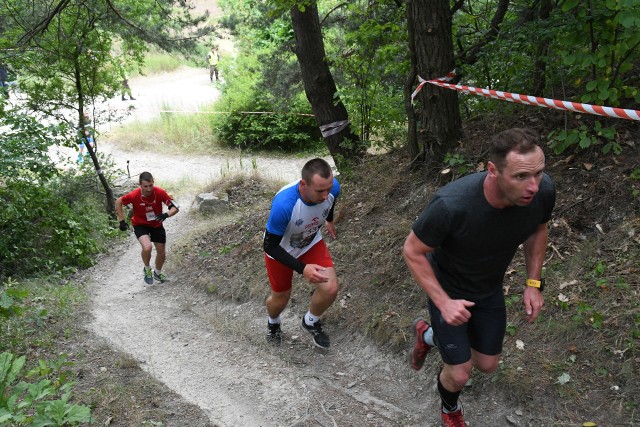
(50, 307)
(172, 133)
(160, 62)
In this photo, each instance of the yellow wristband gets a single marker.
(534, 283)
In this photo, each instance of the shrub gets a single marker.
(254, 119)
(45, 227)
(41, 403)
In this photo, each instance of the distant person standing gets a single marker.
(126, 89)
(293, 242)
(214, 58)
(148, 221)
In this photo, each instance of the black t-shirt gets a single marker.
(475, 242)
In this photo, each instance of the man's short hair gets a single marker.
(520, 140)
(316, 166)
(145, 176)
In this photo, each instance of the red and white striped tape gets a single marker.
(619, 113)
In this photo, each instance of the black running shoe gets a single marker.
(274, 334)
(320, 339)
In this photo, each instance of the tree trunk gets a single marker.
(111, 206)
(440, 115)
(540, 65)
(413, 149)
(320, 88)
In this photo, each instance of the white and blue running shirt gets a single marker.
(297, 222)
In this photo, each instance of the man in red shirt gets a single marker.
(147, 222)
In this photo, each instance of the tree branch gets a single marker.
(457, 6)
(42, 26)
(471, 55)
(331, 11)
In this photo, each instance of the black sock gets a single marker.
(449, 398)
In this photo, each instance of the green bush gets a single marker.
(47, 227)
(280, 124)
(270, 131)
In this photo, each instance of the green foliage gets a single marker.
(255, 119)
(46, 227)
(365, 47)
(24, 149)
(368, 53)
(585, 137)
(604, 37)
(583, 51)
(58, 74)
(589, 315)
(457, 163)
(11, 297)
(43, 402)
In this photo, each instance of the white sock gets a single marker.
(158, 271)
(428, 337)
(273, 321)
(446, 411)
(310, 319)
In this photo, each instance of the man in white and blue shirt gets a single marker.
(293, 242)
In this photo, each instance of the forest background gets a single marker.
(64, 56)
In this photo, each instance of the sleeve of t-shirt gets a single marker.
(279, 217)
(550, 198)
(335, 190)
(127, 199)
(433, 224)
(165, 197)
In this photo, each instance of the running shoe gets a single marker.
(148, 275)
(274, 334)
(453, 419)
(160, 277)
(320, 338)
(421, 348)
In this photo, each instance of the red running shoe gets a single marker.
(421, 348)
(453, 419)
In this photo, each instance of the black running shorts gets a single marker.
(484, 332)
(157, 234)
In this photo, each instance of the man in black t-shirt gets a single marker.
(458, 252)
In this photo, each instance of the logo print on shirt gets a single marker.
(299, 222)
(315, 222)
(299, 241)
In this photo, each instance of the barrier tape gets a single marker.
(221, 112)
(618, 113)
(423, 82)
(333, 128)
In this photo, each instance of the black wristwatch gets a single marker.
(536, 284)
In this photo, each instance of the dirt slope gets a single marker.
(213, 354)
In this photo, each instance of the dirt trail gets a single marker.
(214, 354)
